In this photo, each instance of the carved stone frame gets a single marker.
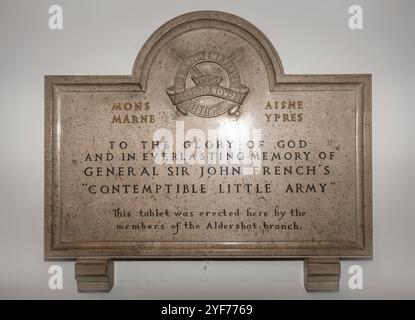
(322, 268)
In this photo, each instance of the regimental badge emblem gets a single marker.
(207, 84)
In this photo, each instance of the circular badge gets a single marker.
(207, 84)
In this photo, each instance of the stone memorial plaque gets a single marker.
(208, 150)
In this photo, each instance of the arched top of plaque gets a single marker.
(208, 20)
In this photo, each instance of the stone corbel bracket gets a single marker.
(94, 275)
(321, 274)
